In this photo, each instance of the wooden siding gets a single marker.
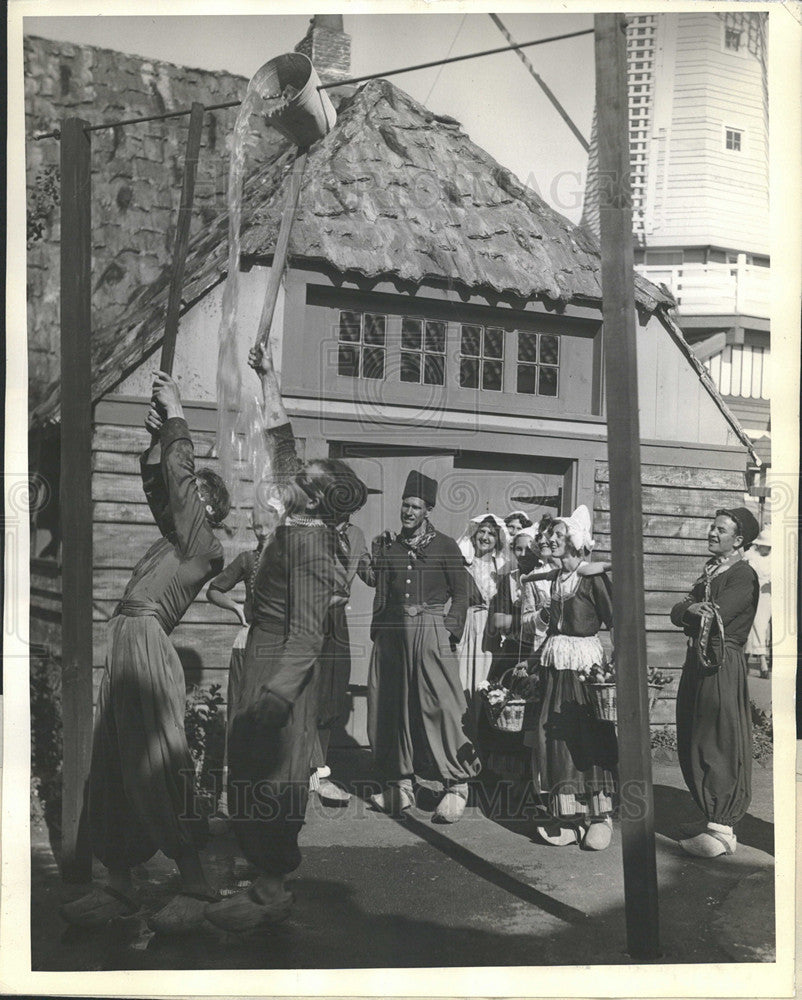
(677, 502)
(674, 405)
(677, 506)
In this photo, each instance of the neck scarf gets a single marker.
(418, 542)
(304, 521)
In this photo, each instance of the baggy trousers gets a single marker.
(714, 735)
(140, 791)
(269, 760)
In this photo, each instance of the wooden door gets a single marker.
(470, 483)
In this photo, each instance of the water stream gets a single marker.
(240, 446)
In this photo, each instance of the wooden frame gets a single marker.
(76, 490)
(76, 456)
(623, 446)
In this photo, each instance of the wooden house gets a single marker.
(436, 314)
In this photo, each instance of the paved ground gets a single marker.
(376, 892)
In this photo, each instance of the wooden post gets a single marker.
(182, 237)
(76, 490)
(623, 449)
(280, 253)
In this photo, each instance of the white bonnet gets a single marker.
(465, 541)
(579, 528)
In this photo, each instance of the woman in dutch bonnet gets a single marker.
(714, 734)
(485, 549)
(576, 751)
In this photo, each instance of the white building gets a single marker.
(698, 107)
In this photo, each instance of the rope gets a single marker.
(56, 133)
(453, 59)
(450, 50)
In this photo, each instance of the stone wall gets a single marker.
(136, 174)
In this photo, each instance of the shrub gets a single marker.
(43, 198)
(205, 724)
(664, 740)
(762, 734)
(664, 743)
(46, 742)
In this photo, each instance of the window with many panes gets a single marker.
(423, 351)
(481, 362)
(361, 345)
(538, 363)
(733, 139)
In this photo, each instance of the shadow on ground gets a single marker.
(373, 892)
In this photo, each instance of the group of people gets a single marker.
(508, 599)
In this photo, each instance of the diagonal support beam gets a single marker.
(182, 237)
(542, 84)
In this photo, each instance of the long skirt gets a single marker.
(475, 659)
(577, 752)
(417, 714)
(269, 761)
(235, 667)
(141, 782)
(334, 672)
(714, 736)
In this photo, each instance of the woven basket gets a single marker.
(509, 717)
(605, 699)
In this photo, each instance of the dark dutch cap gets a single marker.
(421, 486)
(748, 527)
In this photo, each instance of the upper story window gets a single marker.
(361, 350)
(732, 38)
(538, 363)
(481, 363)
(423, 351)
(733, 139)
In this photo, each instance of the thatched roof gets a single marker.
(393, 192)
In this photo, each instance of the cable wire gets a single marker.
(450, 49)
(56, 133)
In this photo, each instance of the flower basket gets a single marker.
(605, 699)
(505, 714)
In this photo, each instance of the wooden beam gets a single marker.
(543, 86)
(182, 237)
(623, 448)
(76, 490)
(282, 244)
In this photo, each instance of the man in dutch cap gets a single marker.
(416, 705)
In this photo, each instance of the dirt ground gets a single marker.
(377, 892)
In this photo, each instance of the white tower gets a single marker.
(698, 111)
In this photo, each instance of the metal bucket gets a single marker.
(309, 114)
